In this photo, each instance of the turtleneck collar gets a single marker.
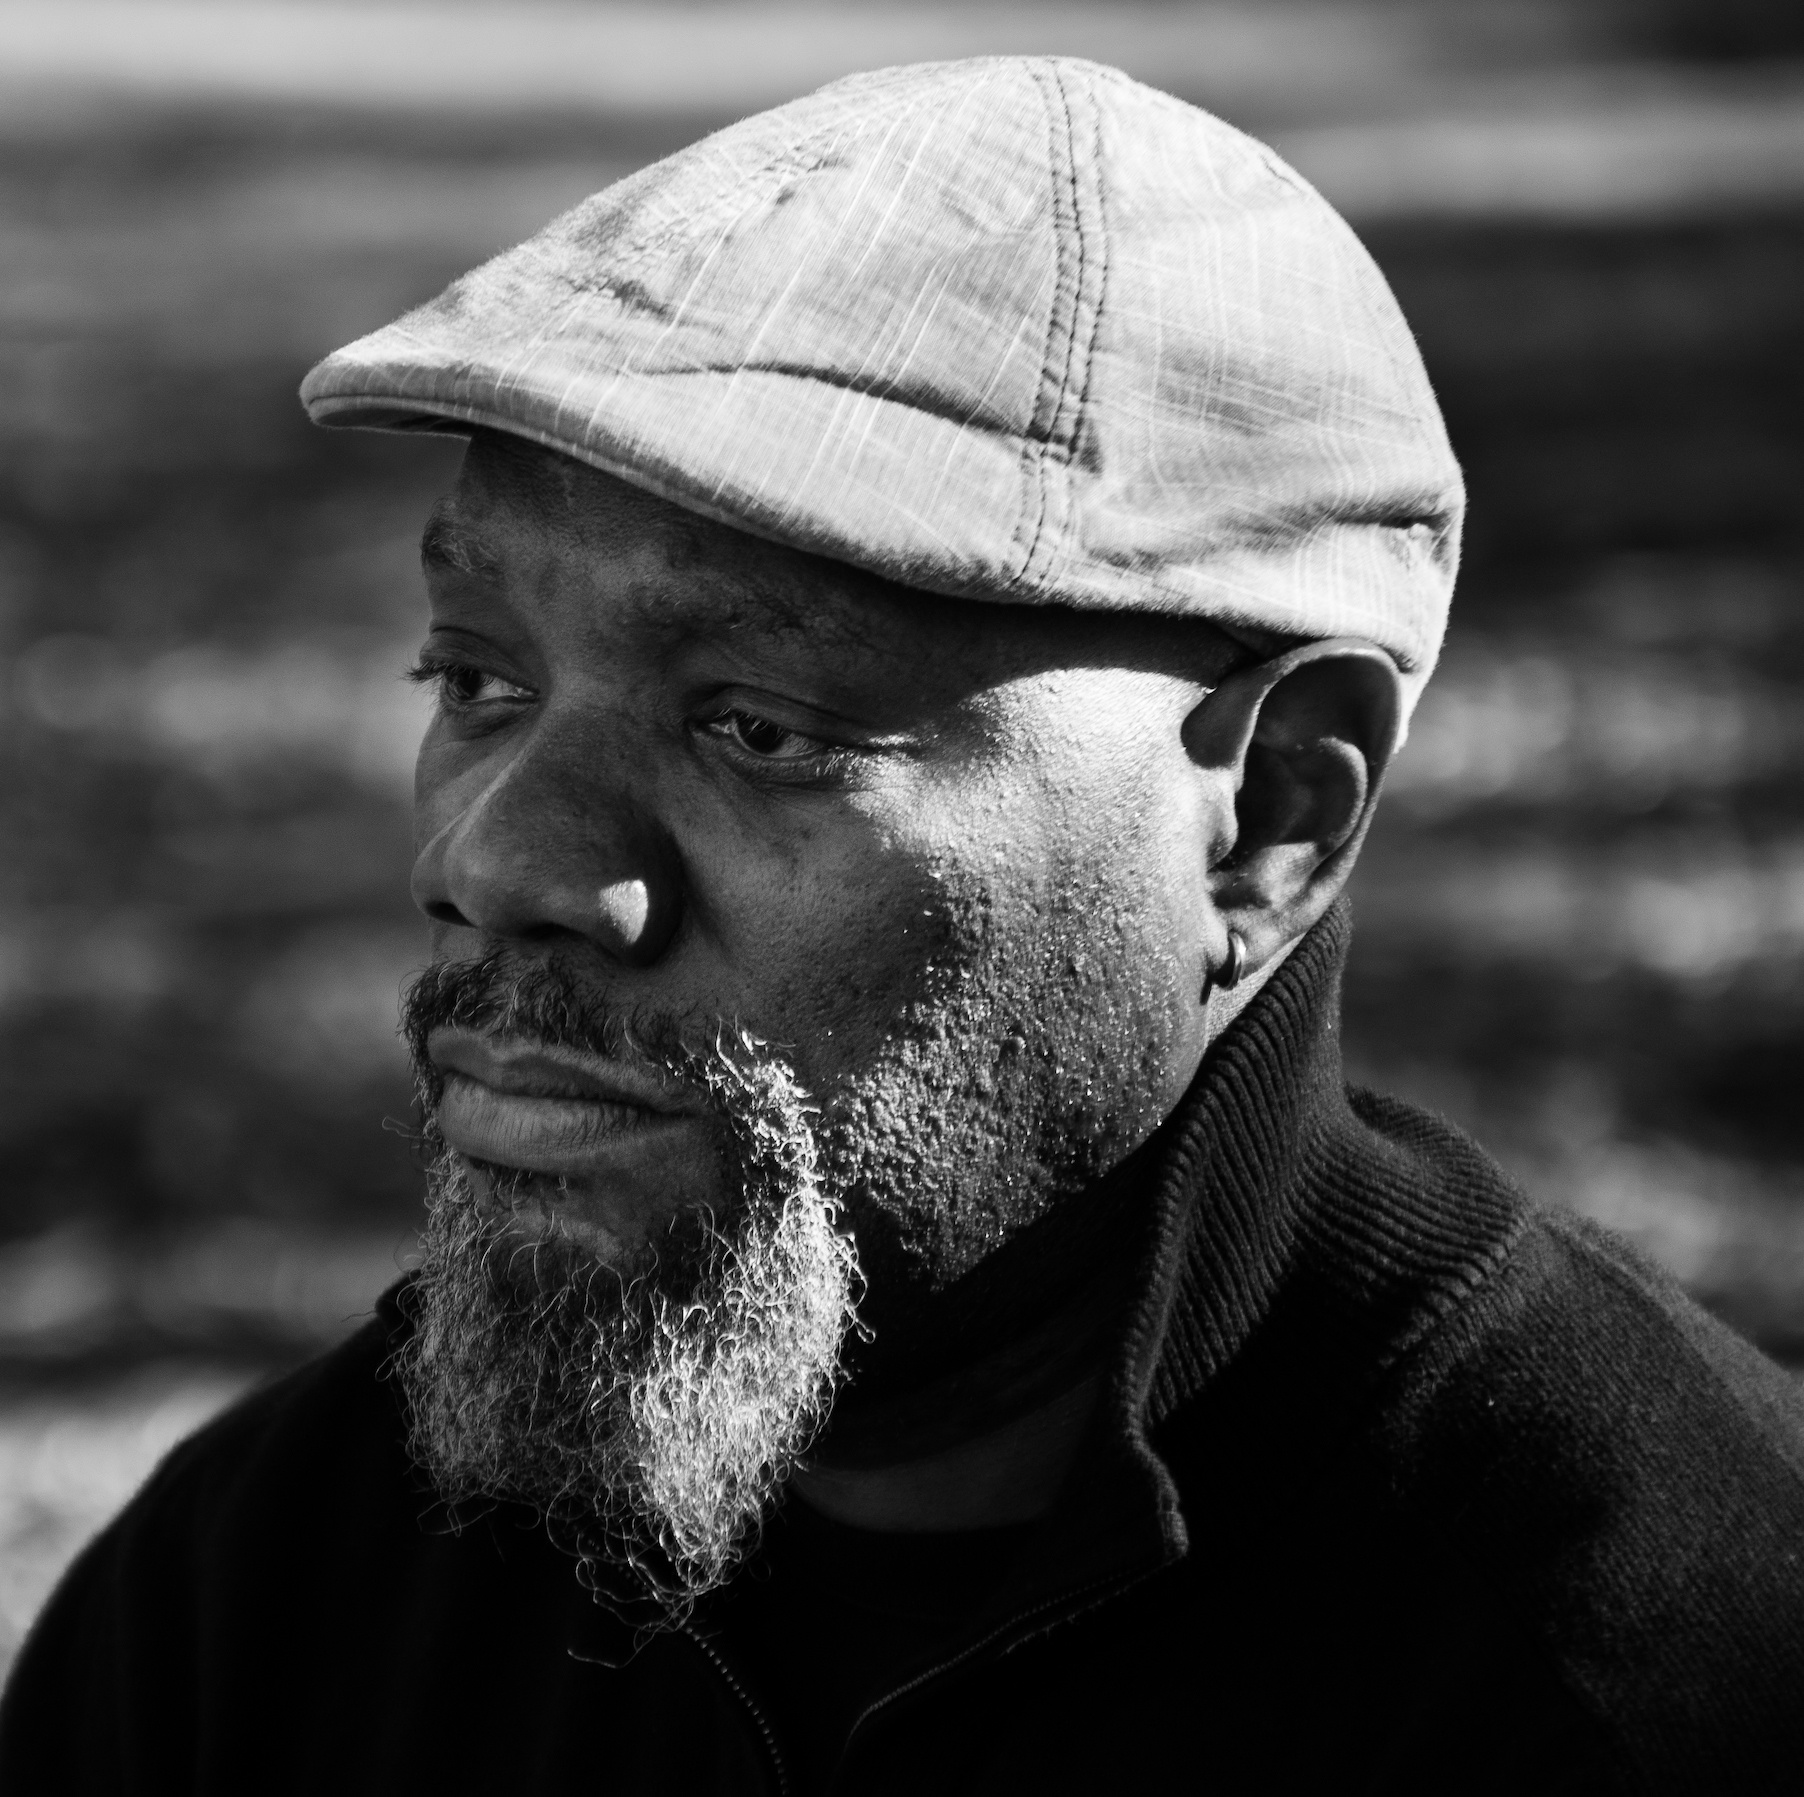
(1298, 1239)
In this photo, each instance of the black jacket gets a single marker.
(1400, 1485)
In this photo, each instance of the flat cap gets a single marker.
(1013, 329)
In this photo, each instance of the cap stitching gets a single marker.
(1080, 409)
(1057, 439)
(1032, 441)
(1049, 443)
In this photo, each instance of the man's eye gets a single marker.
(461, 683)
(759, 736)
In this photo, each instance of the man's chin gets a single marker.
(553, 1221)
(549, 1233)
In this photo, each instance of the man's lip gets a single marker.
(553, 1110)
(575, 1138)
(534, 1070)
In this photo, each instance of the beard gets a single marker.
(649, 1411)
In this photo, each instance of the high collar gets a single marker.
(1298, 1241)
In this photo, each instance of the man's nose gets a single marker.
(535, 850)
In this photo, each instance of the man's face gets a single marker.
(787, 926)
(946, 859)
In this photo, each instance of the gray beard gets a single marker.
(651, 1413)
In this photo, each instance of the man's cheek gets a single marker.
(854, 958)
(448, 774)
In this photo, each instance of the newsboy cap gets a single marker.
(1015, 329)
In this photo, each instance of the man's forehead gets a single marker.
(650, 563)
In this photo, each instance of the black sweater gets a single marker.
(1399, 1485)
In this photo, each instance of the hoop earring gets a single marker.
(1230, 976)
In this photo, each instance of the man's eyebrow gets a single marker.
(447, 544)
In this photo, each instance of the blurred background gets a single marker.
(1582, 915)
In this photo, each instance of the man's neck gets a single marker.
(1010, 1474)
(986, 1443)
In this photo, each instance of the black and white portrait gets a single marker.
(902, 900)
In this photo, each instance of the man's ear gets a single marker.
(1301, 742)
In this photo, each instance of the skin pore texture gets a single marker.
(960, 871)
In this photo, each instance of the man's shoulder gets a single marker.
(308, 1471)
(322, 1429)
(1572, 1362)
(1623, 1477)
(253, 1542)
(1494, 1488)
(1519, 1325)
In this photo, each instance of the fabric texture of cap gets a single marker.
(1013, 329)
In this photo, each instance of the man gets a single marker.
(908, 1303)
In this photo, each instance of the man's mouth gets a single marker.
(553, 1111)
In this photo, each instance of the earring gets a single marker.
(1237, 961)
(1236, 965)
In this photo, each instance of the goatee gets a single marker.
(650, 1412)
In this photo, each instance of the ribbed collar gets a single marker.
(1226, 1207)
(1299, 1239)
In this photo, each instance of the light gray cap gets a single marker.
(1014, 329)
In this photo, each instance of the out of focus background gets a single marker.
(1582, 915)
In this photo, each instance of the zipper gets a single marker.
(766, 1733)
(1098, 1590)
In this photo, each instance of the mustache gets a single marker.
(745, 1083)
(501, 994)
